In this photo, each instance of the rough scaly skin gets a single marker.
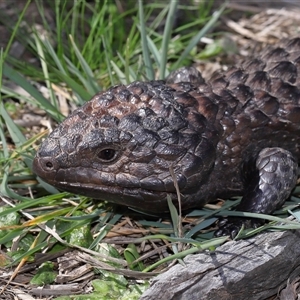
(237, 134)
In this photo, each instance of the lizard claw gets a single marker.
(232, 225)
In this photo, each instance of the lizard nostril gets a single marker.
(49, 165)
(45, 167)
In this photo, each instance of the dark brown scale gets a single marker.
(236, 134)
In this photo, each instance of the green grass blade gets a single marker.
(176, 221)
(205, 245)
(29, 88)
(35, 203)
(106, 228)
(204, 224)
(91, 84)
(155, 52)
(107, 59)
(41, 54)
(16, 27)
(81, 94)
(166, 38)
(146, 56)
(130, 74)
(194, 41)
(120, 74)
(14, 131)
(54, 56)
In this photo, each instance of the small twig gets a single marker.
(179, 200)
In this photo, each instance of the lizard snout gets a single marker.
(45, 167)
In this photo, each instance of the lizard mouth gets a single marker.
(140, 199)
(88, 184)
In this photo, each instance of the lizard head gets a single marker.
(120, 147)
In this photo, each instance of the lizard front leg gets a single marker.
(267, 187)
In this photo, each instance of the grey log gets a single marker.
(255, 268)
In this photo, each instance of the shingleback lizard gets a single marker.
(236, 134)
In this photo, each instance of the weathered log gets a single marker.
(247, 269)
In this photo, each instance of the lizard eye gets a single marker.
(107, 155)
